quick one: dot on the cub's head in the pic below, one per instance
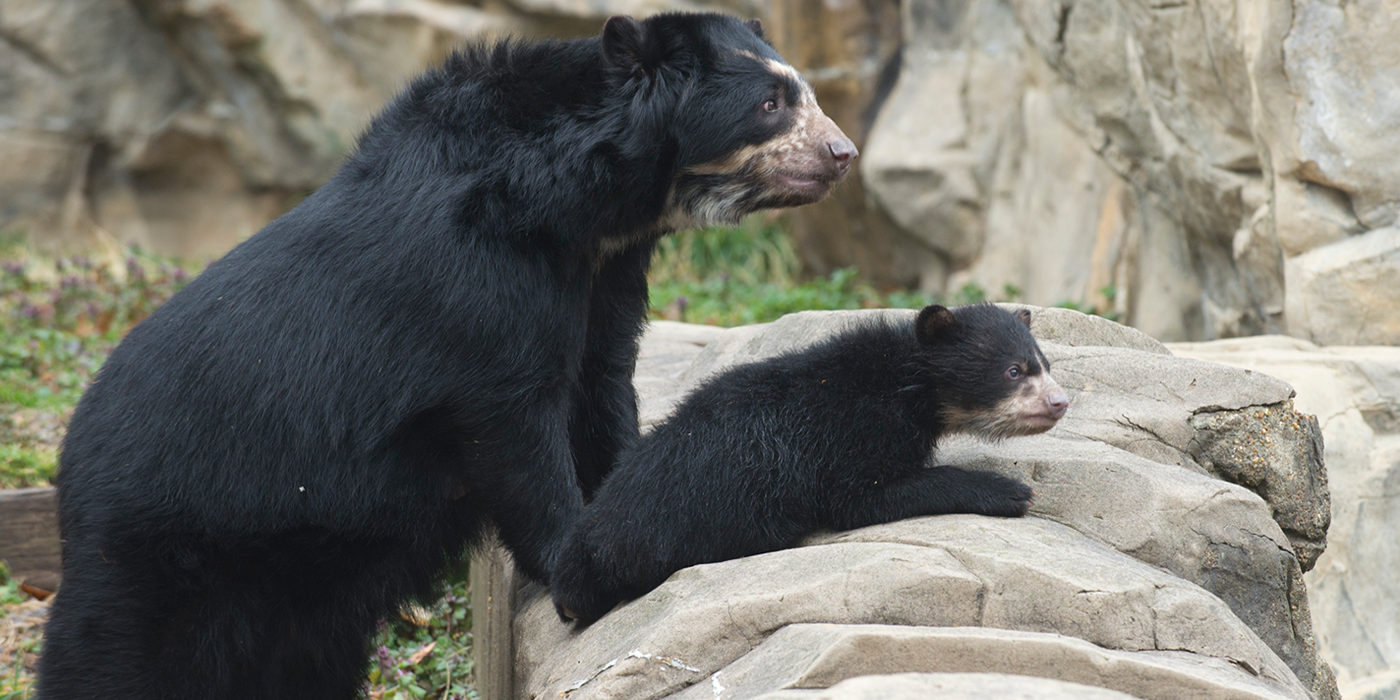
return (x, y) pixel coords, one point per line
(989, 375)
(745, 127)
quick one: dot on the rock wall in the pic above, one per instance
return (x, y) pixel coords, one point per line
(1202, 168)
(1153, 564)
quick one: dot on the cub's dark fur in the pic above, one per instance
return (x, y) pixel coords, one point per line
(835, 436)
(298, 443)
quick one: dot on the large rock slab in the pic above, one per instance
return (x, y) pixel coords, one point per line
(1139, 551)
(954, 571)
(822, 654)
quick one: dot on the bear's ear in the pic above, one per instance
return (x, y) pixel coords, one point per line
(626, 45)
(1024, 316)
(933, 321)
(755, 26)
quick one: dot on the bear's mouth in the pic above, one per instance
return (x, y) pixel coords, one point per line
(806, 186)
(1036, 423)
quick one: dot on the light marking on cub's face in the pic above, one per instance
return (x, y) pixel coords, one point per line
(797, 165)
(1036, 403)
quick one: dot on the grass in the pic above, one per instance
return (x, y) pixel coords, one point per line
(751, 274)
(60, 319)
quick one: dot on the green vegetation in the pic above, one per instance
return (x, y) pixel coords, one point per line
(19, 641)
(60, 319)
(428, 653)
(1109, 293)
(749, 274)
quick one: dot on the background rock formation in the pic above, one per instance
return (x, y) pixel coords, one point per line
(1140, 570)
(1184, 150)
(1202, 168)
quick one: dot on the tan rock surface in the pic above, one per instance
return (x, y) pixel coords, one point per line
(1156, 161)
(954, 686)
(956, 571)
(1347, 293)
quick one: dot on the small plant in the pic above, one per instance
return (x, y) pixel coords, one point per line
(427, 653)
(1108, 292)
(10, 593)
(970, 293)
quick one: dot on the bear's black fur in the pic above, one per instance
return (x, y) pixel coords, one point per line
(836, 436)
(441, 337)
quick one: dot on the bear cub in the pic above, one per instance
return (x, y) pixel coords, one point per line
(835, 436)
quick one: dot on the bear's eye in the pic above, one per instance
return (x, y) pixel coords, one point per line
(1013, 372)
(770, 106)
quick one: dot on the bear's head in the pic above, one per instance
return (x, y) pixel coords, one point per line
(985, 373)
(743, 126)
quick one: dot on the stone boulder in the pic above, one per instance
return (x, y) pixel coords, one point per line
(1142, 569)
(1346, 293)
(1355, 394)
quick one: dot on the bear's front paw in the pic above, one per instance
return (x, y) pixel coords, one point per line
(1005, 497)
(582, 611)
(565, 614)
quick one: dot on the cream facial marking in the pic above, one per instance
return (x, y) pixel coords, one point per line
(1035, 407)
(785, 71)
(805, 95)
(797, 165)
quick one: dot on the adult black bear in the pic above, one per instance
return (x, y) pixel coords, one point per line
(441, 337)
(835, 436)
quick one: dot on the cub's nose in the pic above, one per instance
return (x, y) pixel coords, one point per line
(844, 152)
(1057, 402)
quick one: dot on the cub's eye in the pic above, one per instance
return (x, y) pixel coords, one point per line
(1013, 372)
(770, 106)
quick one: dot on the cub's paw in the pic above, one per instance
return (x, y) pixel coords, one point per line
(1003, 497)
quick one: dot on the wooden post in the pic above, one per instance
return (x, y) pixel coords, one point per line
(493, 585)
(29, 541)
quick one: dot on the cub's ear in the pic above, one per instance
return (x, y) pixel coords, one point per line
(755, 26)
(1024, 316)
(626, 45)
(933, 321)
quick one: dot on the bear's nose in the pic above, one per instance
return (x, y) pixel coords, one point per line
(843, 151)
(1057, 402)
